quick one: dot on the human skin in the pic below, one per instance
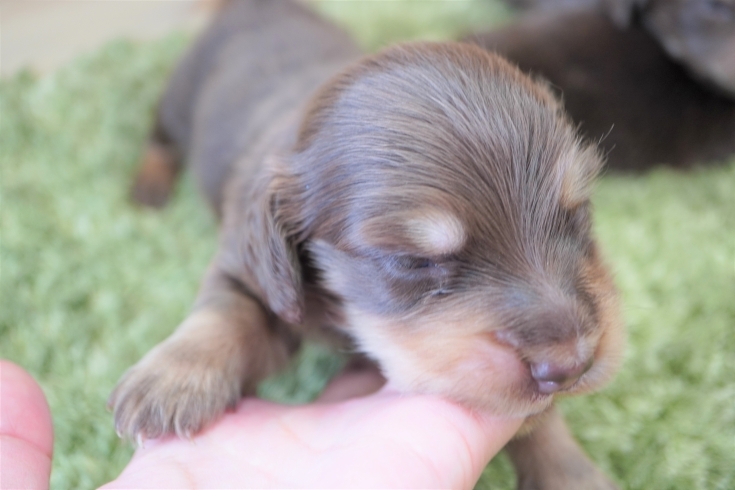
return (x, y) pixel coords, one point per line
(26, 432)
(352, 436)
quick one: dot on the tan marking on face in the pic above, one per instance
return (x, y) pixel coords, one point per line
(452, 357)
(454, 353)
(436, 232)
(578, 169)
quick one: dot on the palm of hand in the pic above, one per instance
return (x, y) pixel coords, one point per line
(383, 440)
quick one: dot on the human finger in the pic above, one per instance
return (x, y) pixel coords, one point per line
(452, 441)
(26, 430)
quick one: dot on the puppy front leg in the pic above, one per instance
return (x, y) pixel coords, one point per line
(549, 458)
(221, 351)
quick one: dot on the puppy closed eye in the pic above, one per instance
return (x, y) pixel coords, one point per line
(422, 277)
(423, 267)
(410, 262)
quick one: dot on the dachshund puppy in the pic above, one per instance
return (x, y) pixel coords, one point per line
(660, 90)
(427, 206)
(552, 5)
(699, 34)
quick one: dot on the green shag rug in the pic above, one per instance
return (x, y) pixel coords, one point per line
(90, 283)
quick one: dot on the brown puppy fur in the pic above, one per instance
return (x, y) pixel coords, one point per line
(622, 87)
(699, 34)
(553, 5)
(428, 207)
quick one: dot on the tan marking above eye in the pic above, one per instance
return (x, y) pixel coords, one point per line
(436, 232)
(426, 232)
(579, 169)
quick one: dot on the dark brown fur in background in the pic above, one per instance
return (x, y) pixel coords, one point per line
(427, 207)
(652, 80)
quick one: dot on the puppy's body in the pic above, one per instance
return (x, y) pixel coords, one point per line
(698, 34)
(246, 75)
(427, 206)
(554, 5)
(622, 88)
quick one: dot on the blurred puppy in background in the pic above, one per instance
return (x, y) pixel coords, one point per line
(427, 207)
(552, 5)
(652, 80)
(699, 34)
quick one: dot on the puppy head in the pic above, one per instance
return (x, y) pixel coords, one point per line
(698, 33)
(441, 200)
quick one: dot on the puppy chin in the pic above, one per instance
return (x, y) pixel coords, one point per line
(433, 357)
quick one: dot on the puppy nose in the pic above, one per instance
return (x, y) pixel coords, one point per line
(554, 377)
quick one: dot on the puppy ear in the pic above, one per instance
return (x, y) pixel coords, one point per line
(259, 243)
(622, 12)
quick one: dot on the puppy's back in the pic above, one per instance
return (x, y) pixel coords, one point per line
(258, 60)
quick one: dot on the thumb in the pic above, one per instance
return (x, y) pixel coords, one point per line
(26, 433)
(456, 442)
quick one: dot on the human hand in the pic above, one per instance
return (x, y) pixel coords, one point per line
(384, 440)
(26, 432)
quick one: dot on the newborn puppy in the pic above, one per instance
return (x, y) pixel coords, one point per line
(551, 5)
(654, 81)
(624, 89)
(699, 34)
(427, 206)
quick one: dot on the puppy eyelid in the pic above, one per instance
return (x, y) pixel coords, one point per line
(418, 262)
(414, 263)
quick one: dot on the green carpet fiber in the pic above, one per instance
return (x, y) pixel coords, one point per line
(90, 282)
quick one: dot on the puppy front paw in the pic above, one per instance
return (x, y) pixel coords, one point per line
(579, 475)
(547, 457)
(174, 389)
